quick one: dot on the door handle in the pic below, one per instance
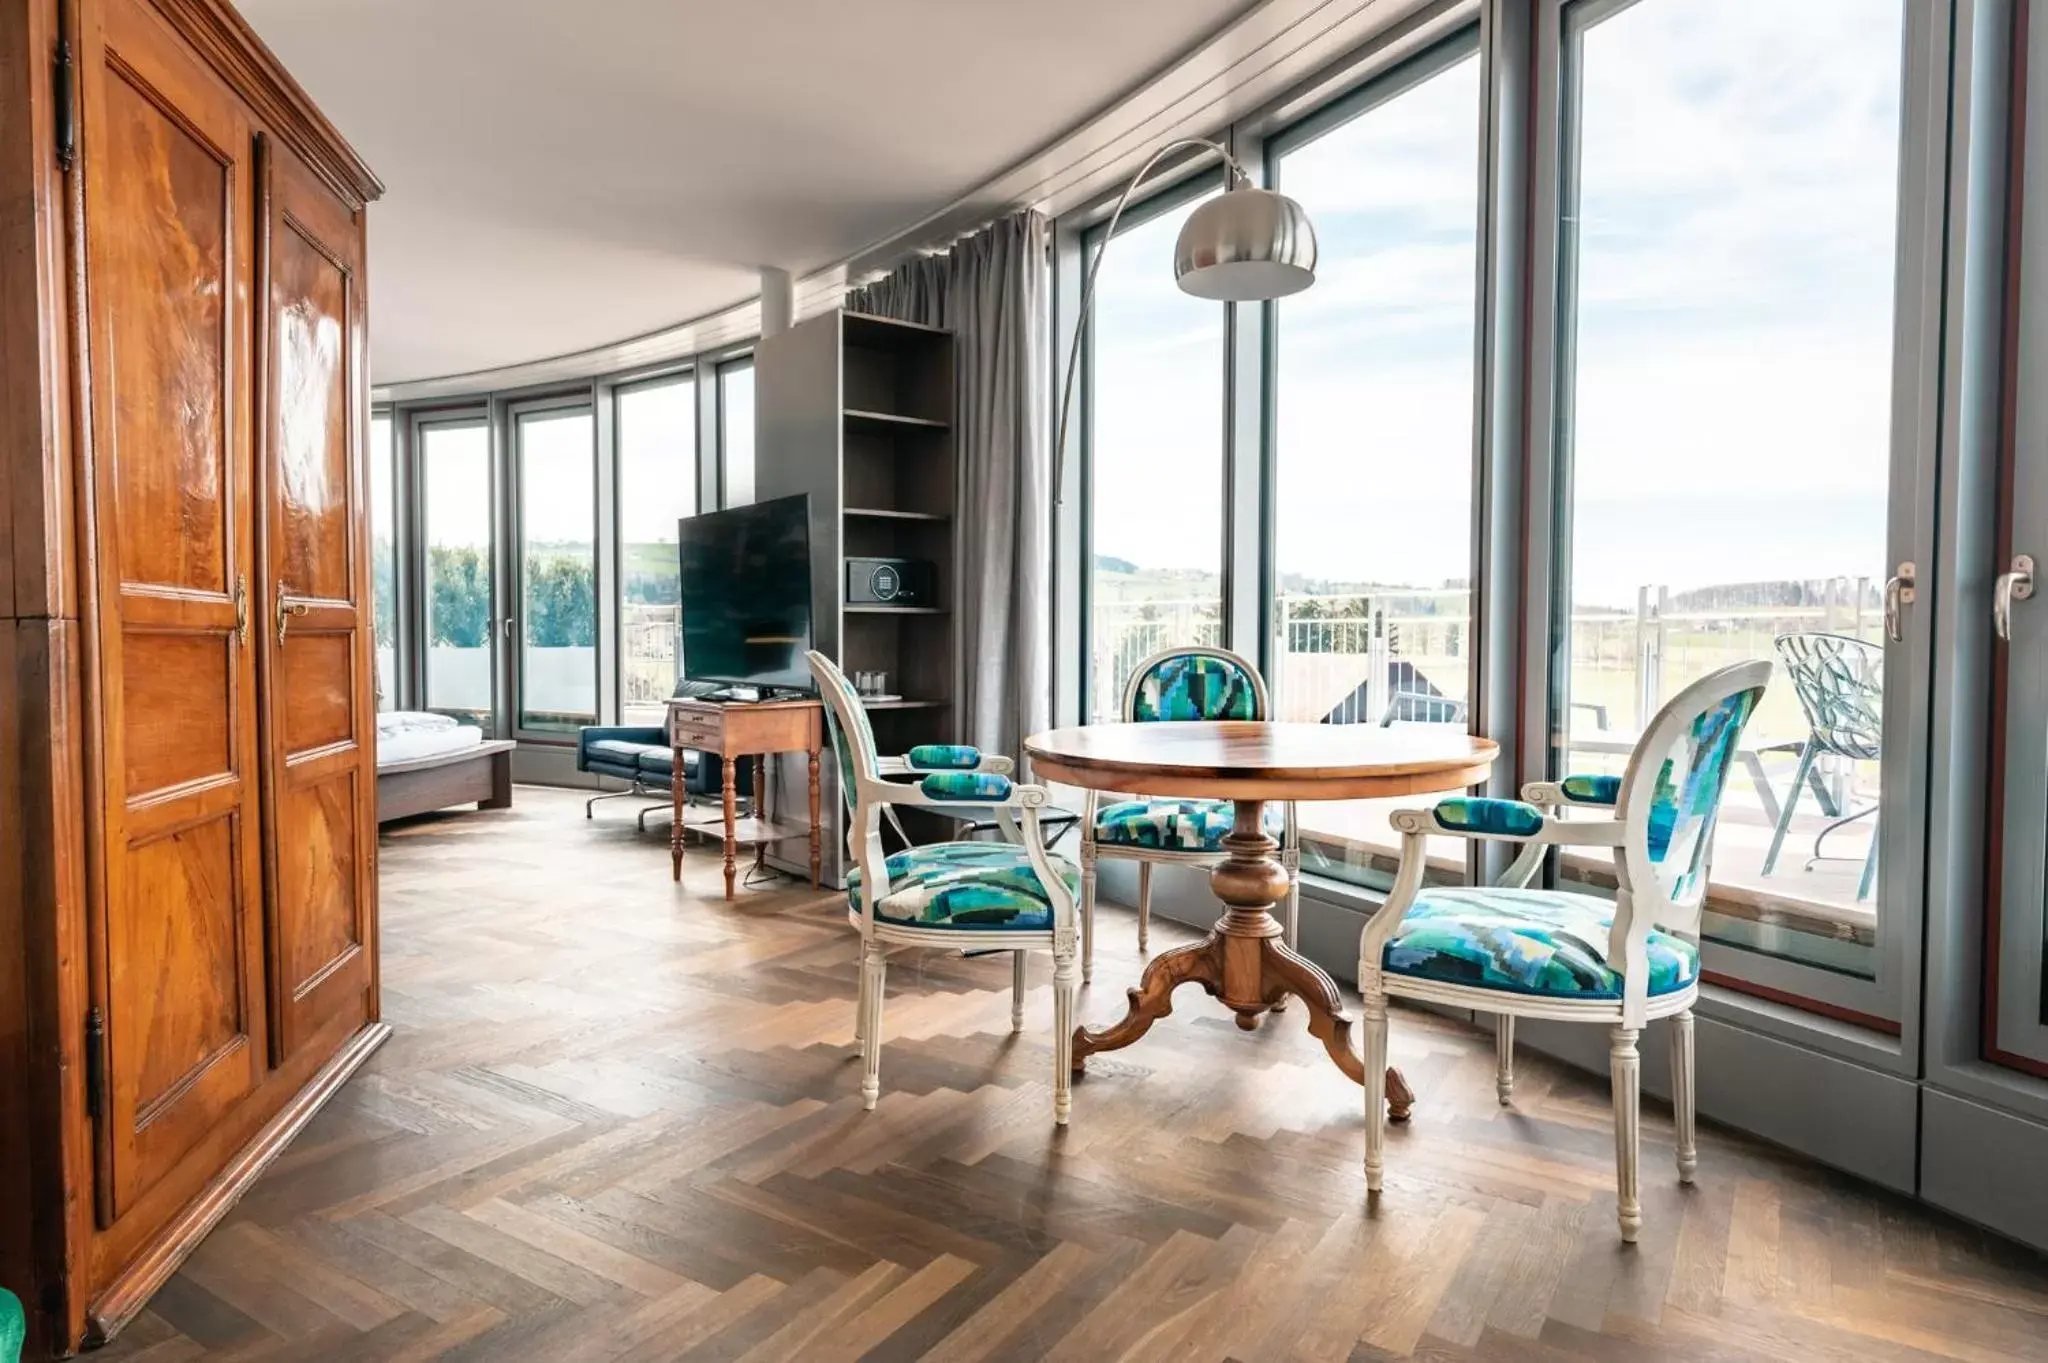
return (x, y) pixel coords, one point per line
(1899, 592)
(507, 627)
(2017, 584)
(242, 610)
(286, 609)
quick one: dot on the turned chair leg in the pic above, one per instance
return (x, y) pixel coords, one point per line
(1682, 1096)
(874, 969)
(1064, 986)
(1372, 1039)
(1625, 1069)
(1087, 913)
(860, 1007)
(1504, 1058)
(1144, 906)
(1017, 991)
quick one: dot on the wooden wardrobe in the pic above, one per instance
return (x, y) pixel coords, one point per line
(188, 926)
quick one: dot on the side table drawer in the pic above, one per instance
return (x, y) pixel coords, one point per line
(688, 729)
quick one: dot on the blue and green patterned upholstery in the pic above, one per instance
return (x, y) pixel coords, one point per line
(966, 785)
(1498, 818)
(1173, 825)
(1543, 942)
(1195, 686)
(965, 885)
(1591, 790)
(840, 745)
(1682, 808)
(944, 757)
(13, 1327)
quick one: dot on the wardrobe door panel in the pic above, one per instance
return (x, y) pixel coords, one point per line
(177, 939)
(320, 777)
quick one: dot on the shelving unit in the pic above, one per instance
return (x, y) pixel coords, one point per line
(857, 411)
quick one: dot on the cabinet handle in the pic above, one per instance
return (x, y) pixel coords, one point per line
(242, 609)
(286, 609)
(1899, 592)
(2014, 585)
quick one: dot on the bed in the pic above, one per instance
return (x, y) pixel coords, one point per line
(427, 762)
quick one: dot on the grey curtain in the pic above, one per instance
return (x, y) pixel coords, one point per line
(992, 291)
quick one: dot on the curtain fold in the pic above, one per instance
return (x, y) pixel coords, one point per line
(992, 291)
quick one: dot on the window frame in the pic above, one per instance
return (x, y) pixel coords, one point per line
(611, 444)
(510, 472)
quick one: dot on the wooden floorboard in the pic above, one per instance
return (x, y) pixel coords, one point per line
(620, 1120)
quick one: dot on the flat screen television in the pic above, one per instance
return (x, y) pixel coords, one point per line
(746, 595)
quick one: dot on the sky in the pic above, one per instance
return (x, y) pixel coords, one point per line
(1731, 401)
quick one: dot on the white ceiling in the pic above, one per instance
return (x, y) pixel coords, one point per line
(560, 176)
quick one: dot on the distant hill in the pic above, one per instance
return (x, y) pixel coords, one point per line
(1105, 563)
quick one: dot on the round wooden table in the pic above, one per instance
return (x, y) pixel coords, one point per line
(1243, 961)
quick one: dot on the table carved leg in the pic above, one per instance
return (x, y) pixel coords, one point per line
(1244, 963)
(816, 847)
(731, 839)
(675, 823)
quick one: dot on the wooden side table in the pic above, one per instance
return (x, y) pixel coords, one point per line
(730, 730)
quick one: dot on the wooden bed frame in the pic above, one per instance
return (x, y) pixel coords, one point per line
(482, 773)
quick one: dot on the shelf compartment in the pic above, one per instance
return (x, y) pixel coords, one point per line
(879, 513)
(860, 419)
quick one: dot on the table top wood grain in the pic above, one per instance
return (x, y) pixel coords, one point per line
(1246, 760)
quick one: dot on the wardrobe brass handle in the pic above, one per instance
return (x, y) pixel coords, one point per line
(242, 609)
(286, 609)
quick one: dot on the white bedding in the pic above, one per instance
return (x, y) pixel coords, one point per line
(409, 735)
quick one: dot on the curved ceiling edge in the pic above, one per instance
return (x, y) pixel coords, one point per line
(1247, 66)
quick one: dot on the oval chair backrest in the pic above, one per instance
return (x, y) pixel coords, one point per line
(853, 737)
(1195, 683)
(1840, 685)
(1671, 793)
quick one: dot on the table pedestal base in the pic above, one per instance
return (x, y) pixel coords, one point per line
(1244, 963)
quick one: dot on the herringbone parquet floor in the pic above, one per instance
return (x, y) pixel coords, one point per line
(621, 1121)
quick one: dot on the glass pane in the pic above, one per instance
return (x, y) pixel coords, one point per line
(736, 430)
(1156, 461)
(384, 560)
(657, 488)
(456, 467)
(558, 570)
(1728, 426)
(1373, 424)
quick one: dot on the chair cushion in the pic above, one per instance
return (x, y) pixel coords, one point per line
(619, 750)
(965, 885)
(1173, 825)
(659, 760)
(1545, 942)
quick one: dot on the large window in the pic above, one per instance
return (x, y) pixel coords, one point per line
(558, 568)
(1155, 458)
(1373, 399)
(736, 429)
(455, 481)
(384, 559)
(657, 442)
(1732, 181)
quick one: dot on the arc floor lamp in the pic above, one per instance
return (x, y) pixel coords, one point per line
(1246, 246)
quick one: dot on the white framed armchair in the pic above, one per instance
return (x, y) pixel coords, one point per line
(1187, 683)
(1012, 895)
(1514, 951)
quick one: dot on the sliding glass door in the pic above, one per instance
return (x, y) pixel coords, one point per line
(1154, 443)
(656, 430)
(555, 479)
(460, 551)
(1744, 456)
(1372, 396)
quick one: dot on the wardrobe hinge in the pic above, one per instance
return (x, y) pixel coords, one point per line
(95, 1062)
(64, 94)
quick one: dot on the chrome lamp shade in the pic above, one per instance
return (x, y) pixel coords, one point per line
(1245, 246)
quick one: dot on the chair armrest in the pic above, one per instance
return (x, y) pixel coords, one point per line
(913, 763)
(1505, 821)
(1604, 791)
(975, 786)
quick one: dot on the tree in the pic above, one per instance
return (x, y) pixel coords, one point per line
(561, 601)
(459, 610)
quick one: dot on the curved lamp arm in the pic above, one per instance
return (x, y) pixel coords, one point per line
(1238, 176)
